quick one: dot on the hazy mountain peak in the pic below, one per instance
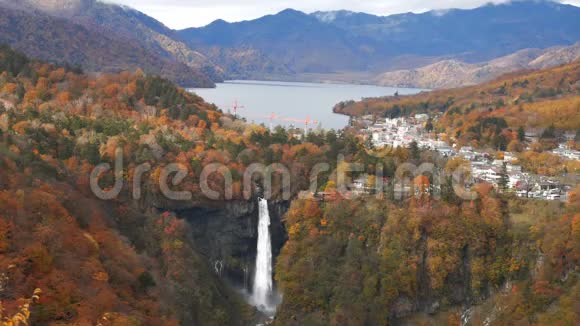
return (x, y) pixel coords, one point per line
(60, 5)
(290, 11)
(218, 22)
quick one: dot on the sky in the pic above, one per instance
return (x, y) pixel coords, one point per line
(179, 14)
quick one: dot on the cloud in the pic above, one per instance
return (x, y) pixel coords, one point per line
(193, 13)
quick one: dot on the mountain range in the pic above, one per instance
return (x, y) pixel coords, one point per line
(454, 73)
(344, 41)
(291, 44)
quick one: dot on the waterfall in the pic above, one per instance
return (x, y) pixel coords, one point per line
(263, 287)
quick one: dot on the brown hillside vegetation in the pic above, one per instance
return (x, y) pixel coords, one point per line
(371, 262)
(95, 261)
(96, 50)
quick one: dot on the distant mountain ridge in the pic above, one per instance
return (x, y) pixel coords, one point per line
(328, 42)
(454, 73)
(101, 37)
(289, 39)
(289, 45)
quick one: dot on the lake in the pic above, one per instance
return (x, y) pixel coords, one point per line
(291, 103)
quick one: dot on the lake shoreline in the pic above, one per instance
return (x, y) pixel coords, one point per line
(298, 104)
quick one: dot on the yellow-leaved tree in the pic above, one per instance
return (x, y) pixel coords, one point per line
(23, 315)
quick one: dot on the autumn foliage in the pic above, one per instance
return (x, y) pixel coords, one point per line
(491, 113)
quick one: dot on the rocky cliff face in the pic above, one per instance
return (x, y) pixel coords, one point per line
(227, 236)
(222, 241)
(225, 232)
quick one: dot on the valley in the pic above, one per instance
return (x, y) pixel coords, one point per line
(250, 173)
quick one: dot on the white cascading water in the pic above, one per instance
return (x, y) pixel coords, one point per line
(262, 290)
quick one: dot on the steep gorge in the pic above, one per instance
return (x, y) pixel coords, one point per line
(227, 237)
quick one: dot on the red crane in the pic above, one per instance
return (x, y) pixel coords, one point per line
(270, 117)
(236, 107)
(307, 122)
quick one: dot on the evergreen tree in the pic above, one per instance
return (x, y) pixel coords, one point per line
(549, 133)
(414, 149)
(90, 152)
(20, 91)
(448, 193)
(504, 179)
(521, 134)
(429, 125)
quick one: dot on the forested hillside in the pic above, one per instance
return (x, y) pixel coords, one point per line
(490, 114)
(422, 261)
(101, 38)
(96, 262)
